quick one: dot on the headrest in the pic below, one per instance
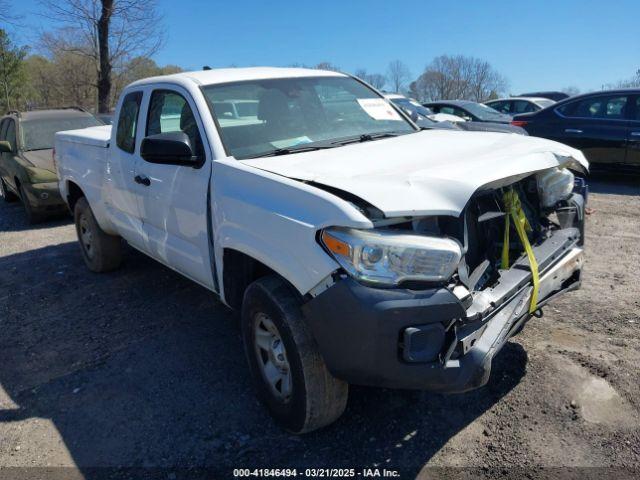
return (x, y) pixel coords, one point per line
(273, 105)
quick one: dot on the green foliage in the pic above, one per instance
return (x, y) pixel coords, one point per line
(12, 73)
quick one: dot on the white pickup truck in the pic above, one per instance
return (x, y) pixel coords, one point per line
(357, 247)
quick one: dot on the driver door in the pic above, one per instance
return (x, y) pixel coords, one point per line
(173, 205)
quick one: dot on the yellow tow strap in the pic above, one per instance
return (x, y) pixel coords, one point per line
(514, 210)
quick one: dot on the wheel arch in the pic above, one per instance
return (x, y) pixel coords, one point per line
(239, 270)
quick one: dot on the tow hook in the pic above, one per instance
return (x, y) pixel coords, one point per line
(538, 313)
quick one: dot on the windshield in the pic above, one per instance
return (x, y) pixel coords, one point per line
(483, 112)
(262, 117)
(38, 134)
(418, 113)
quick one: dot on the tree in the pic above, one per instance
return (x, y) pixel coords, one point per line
(571, 90)
(458, 77)
(138, 68)
(398, 75)
(376, 80)
(633, 82)
(327, 66)
(12, 73)
(109, 33)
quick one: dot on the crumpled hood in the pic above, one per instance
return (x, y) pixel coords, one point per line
(41, 159)
(432, 172)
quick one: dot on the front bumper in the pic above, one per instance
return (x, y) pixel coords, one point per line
(363, 333)
(44, 196)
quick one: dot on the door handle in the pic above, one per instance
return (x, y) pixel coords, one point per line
(572, 130)
(142, 180)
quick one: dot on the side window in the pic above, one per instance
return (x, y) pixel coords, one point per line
(448, 110)
(170, 112)
(3, 129)
(128, 122)
(522, 106)
(11, 134)
(502, 107)
(637, 108)
(606, 107)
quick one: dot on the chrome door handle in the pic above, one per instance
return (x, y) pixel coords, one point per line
(572, 130)
(635, 134)
(142, 180)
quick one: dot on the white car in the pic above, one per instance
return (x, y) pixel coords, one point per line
(516, 105)
(356, 247)
(413, 105)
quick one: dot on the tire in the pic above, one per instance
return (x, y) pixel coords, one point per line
(7, 196)
(101, 252)
(33, 216)
(315, 398)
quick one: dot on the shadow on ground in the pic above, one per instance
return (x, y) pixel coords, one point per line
(143, 368)
(613, 183)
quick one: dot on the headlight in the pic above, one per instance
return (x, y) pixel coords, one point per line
(554, 185)
(389, 258)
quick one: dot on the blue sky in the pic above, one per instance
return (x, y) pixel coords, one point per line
(541, 44)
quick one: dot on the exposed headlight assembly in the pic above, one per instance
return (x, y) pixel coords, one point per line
(388, 258)
(554, 185)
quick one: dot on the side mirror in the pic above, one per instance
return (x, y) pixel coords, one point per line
(5, 147)
(172, 148)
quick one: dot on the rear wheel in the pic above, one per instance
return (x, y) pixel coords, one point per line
(7, 196)
(287, 369)
(101, 252)
(33, 216)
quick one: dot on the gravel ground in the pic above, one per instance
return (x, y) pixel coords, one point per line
(143, 368)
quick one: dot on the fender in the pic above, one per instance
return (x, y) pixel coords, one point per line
(275, 220)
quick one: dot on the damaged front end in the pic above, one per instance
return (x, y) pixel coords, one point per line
(436, 327)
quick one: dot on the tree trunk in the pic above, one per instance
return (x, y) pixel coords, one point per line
(104, 67)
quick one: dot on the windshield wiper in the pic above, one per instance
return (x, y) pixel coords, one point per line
(367, 137)
(289, 150)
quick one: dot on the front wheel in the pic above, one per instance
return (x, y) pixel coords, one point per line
(101, 252)
(287, 369)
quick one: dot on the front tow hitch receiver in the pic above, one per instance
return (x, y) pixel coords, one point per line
(423, 343)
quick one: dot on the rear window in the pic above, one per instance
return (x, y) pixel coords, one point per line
(38, 134)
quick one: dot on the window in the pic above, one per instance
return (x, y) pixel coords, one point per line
(607, 107)
(638, 108)
(3, 129)
(502, 106)
(39, 133)
(170, 112)
(11, 135)
(260, 117)
(128, 122)
(522, 106)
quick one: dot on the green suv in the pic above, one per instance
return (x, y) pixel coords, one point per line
(27, 170)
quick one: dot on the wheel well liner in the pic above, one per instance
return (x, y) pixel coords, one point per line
(73, 195)
(239, 270)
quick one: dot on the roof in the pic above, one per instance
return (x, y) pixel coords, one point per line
(53, 113)
(226, 75)
(530, 99)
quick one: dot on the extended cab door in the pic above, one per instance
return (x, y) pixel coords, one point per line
(122, 192)
(174, 204)
(597, 125)
(633, 144)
